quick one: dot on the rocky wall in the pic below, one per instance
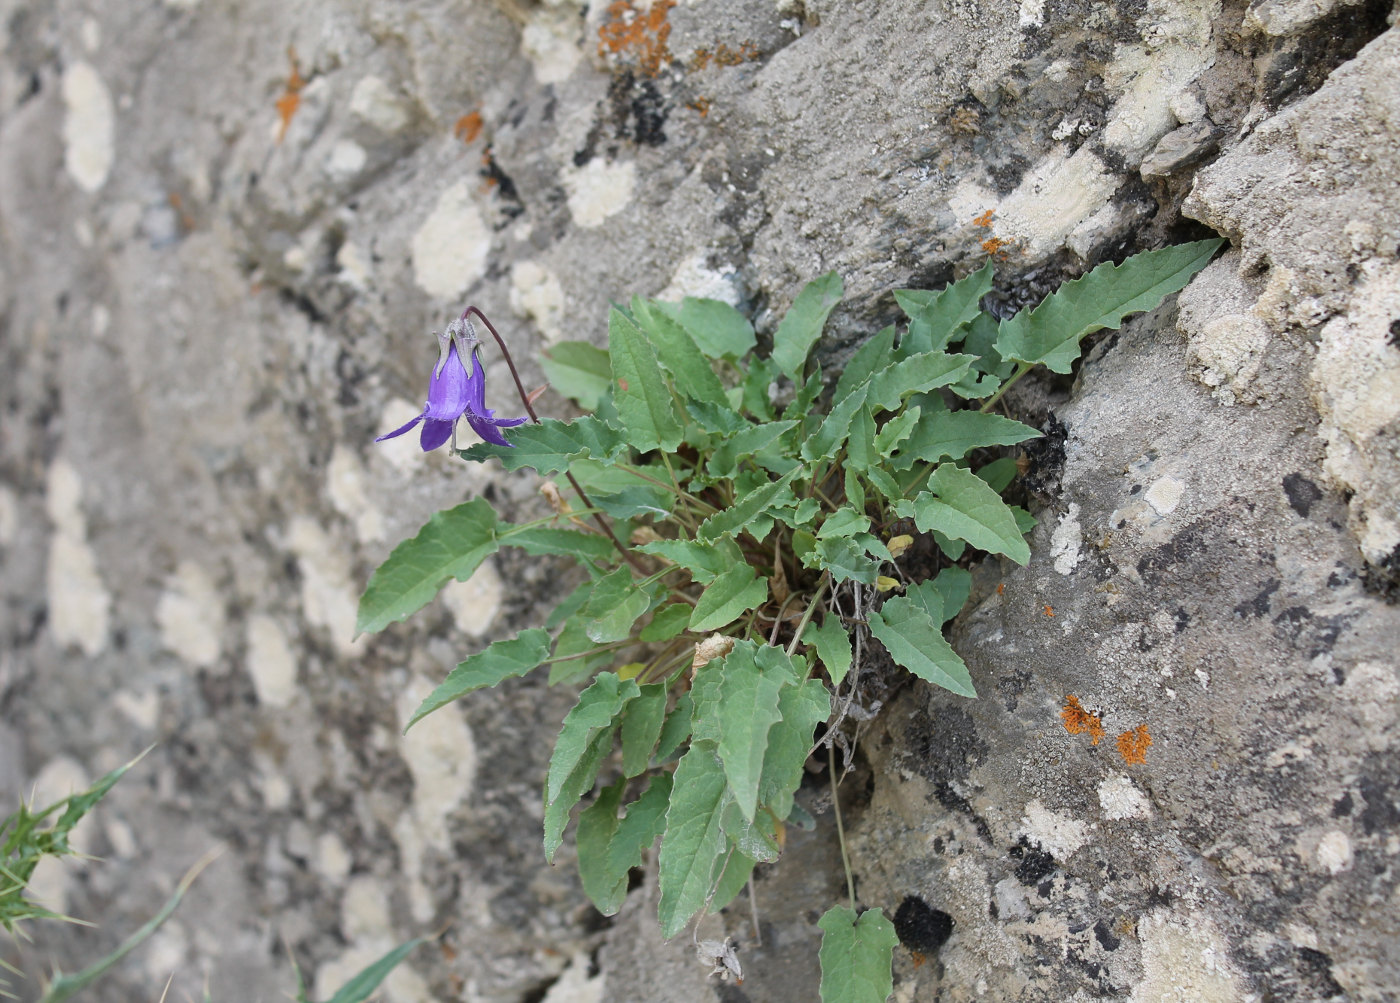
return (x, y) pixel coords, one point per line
(226, 229)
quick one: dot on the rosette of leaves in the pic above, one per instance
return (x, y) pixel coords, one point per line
(749, 543)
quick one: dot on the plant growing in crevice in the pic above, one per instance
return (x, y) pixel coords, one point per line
(739, 556)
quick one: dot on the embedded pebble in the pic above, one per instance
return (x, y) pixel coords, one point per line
(1334, 853)
(1164, 495)
(79, 603)
(441, 756)
(89, 127)
(271, 662)
(451, 248)
(190, 615)
(375, 102)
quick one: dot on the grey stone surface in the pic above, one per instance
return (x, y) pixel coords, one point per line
(208, 311)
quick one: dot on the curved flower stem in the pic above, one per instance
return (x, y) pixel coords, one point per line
(627, 555)
(1021, 370)
(840, 829)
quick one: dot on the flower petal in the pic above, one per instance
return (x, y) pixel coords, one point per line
(402, 428)
(450, 390)
(487, 427)
(435, 433)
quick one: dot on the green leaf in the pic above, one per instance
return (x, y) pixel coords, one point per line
(956, 433)
(845, 559)
(955, 585)
(609, 847)
(823, 443)
(961, 505)
(723, 463)
(641, 727)
(1050, 334)
(583, 744)
(928, 598)
(861, 452)
(856, 956)
(757, 381)
(755, 838)
(677, 351)
(367, 980)
(720, 331)
(735, 592)
(1025, 522)
(999, 473)
(916, 642)
(500, 660)
(574, 641)
(883, 483)
(733, 520)
(643, 399)
(801, 406)
(552, 445)
(635, 500)
(694, 841)
(802, 325)
(748, 707)
(452, 544)
(538, 540)
(666, 623)
(613, 606)
(870, 358)
(916, 374)
(896, 430)
(843, 522)
(719, 419)
(737, 871)
(579, 371)
(935, 316)
(800, 710)
(676, 729)
(833, 644)
(704, 561)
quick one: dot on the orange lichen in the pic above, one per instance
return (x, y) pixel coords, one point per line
(1049, 611)
(290, 100)
(985, 220)
(996, 247)
(641, 35)
(178, 204)
(468, 127)
(1079, 721)
(964, 121)
(1001, 588)
(1132, 745)
(701, 106)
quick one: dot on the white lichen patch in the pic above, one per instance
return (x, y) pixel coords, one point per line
(332, 860)
(1120, 799)
(598, 190)
(970, 200)
(575, 985)
(1373, 689)
(1164, 495)
(345, 486)
(475, 602)
(694, 277)
(550, 41)
(347, 158)
(1184, 960)
(375, 102)
(1060, 835)
(1333, 852)
(451, 248)
(89, 127)
(141, 709)
(271, 663)
(328, 595)
(354, 266)
(536, 295)
(1229, 351)
(190, 615)
(365, 923)
(1065, 541)
(441, 756)
(9, 516)
(1032, 13)
(79, 604)
(1054, 197)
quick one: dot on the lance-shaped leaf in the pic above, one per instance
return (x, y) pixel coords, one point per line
(676, 350)
(500, 660)
(641, 727)
(642, 397)
(553, 445)
(1051, 333)
(861, 451)
(538, 540)
(748, 708)
(934, 317)
(676, 729)
(845, 559)
(802, 325)
(833, 644)
(755, 838)
(956, 433)
(582, 746)
(735, 519)
(896, 430)
(717, 328)
(754, 390)
(954, 585)
(578, 370)
(609, 846)
(916, 374)
(872, 357)
(737, 871)
(823, 443)
(800, 710)
(668, 622)
(916, 642)
(724, 460)
(735, 592)
(856, 956)
(962, 506)
(704, 561)
(694, 841)
(613, 606)
(452, 544)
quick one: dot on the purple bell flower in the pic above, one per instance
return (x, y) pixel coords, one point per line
(454, 392)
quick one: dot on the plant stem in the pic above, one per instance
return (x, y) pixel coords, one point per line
(1021, 370)
(807, 613)
(840, 828)
(627, 555)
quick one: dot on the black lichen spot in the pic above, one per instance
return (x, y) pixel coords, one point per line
(1382, 577)
(1381, 810)
(1035, 865)
(1105, 936)
(1182, 618)
(1394, 338)
(638, 109)
(1185, 545)
(1316, 969)
(954, 801)
(1301, 492)
(920, 927)
(1259, 605)
(1343, 806)
(1047, 458)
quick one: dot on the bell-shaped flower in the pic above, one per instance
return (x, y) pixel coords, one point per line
(454, 391)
